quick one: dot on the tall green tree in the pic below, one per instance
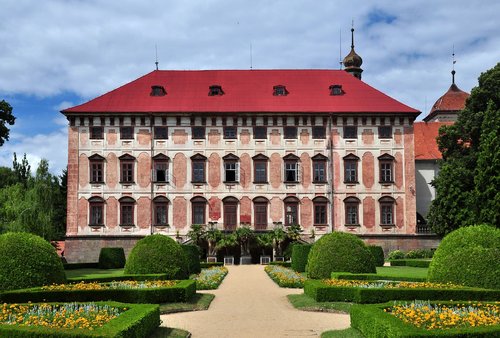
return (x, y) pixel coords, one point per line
(22, 169)
(457, 202)
(6, 118)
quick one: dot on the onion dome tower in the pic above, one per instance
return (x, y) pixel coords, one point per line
(352, 62)
(447, 106)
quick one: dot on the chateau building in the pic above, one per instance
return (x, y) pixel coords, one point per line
(319, 148)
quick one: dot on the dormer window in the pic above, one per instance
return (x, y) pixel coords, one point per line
(215, 90)
(336, 90)
(280, 90)
(158, 91)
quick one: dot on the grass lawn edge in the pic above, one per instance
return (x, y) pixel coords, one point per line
(303, 302)
(199, 302)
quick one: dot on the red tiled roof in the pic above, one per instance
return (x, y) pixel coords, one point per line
(245, 91)
(425, 134)
(452, 101)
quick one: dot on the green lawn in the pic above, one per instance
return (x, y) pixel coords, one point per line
(200, 301)
(347, 333)
(91, 273)
(306, 303)
(402, 271)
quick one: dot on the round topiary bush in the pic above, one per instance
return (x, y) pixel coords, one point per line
(27, 260)
(339, 252)
(192, 253)
(299, 257)
(378, 254)
(111, 258)
(469, 256)
(157, 254)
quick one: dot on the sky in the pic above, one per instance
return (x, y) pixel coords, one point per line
(55, 54)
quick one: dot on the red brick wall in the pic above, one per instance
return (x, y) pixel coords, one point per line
(144, 170)
(111, 212)
(143, 212)
(368, 169)
(180, 213)
(144, 137)
(409, 177)
(83, 170)
(306, 210)
(305, 161)
(180, 170)
(72, 209)
(214, 170)
(275, 169)
(367, 136)
(214, 211)
(276, 209)
(179, 136)
(398, 179)
(83, 213)
(245, 171)
(111, 170)
(245, 209)
(369, 213)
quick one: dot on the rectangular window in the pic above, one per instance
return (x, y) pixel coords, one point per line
(351, 214)
(350, 132)
(319, 171)
(96, 133)
(385, 132)
(198, 133)
(230, 132)
(290, 132)
(127, 214)
(96, 214)
(127, 133)
(161, 133)
(291, 171)
(320, 214)
(260, 133)
(199, 173)
(230, 210)
(231, 171)
(350, 171)
(291, 213)
(96, 172)
(318, 132)
(127, 171)
(160, 171)
(260, 171)
(160, 210)
(198, 213)
(386, 172)
(260, 216)
(386, 217)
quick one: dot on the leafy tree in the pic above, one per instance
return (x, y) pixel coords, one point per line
(212, 235)
(265, 241)
(459, 194)
(197, 234)
(244, 234)
(6, 117)
(22, 170)
(7, 177)
(227, 241)
(279, 236)
(293, 232)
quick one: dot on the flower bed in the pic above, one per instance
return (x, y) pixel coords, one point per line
(427, 319)
(108, 278)
(123, 291)
(374, 276)
(211, 278)
(284, 277)
(378, 292)
(108, 319)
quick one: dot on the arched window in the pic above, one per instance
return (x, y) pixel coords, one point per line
(160, 211)
(260, 168)
(291, 210)
(96, 211)
(319, 168)
(127, 206)
(198, 162)
(260, 213)
(387, 210)
(231, 168)
(230, 205)
(351, 207)
(198, 208)
(160, 168)
(320, 205)
(291, 174)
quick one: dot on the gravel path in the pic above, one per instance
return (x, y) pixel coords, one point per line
(250, 304)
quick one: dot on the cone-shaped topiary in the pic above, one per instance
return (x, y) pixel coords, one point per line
(157, 254)
(339, 252)
(27, 260)
(378, 254)
(468, 256)
(111, 258)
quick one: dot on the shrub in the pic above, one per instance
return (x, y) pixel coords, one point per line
(157, 254)
(396, 254)
(27, 260)
(339, 251)
(205, 265)
(419, 253)
(283, 264)
(111, 258)
(416, 263)
(192, 253)
(378, 254)
(468, 256)
(299, 257)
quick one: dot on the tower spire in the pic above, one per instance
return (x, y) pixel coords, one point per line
(352, 35)
(353, 62)
(453, 66)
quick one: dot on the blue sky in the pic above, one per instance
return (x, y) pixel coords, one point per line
(59, 53)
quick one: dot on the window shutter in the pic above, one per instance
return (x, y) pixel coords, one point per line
(237, 172)
(153, 175)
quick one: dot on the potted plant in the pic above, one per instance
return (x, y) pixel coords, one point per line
(212, 235)
(244, 234)
(265, 241)
(225, 242)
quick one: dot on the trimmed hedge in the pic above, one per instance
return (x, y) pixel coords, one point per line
(111, 258)
(283, 264)
(378, 254)
(206, 265)
(372, 321)
(76, 266)
(339, 251)
(140, 320)
(374, 277)
(416, 263)
(468, 256)
(419, 254)
(157, 254)
(396, 254)
(192, 253)
(27, 260)
(182, 292)
(107, 279)
(324, 293)
(299, 257)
